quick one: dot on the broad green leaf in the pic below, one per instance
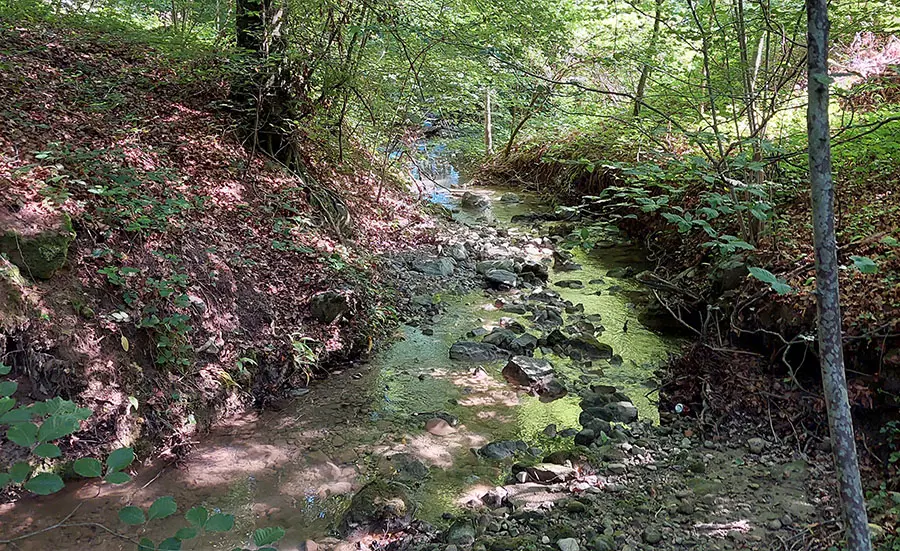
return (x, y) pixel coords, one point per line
(220, 523)
(6, 404)
(88, 467)
(47, 451)
(146, 544)
(4, 480)
(186, 533)
(57, 426)
(162, 508)
(17, 415)
(45, 484)
(131, 515)
(766, 276)
(23, 434)
(20, 471)
(8, 388)
(5, 369)
(117, 477)
(265, 536)
(119, 459)
(864, 264)
(891, 241)
(197, 516)
(170, 544)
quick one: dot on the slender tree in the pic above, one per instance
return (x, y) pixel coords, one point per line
(831, 353)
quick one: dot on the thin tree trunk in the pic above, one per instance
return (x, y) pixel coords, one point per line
(645, 69)
(831, 354)
(488, 130)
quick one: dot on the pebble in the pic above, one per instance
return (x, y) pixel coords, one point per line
(651, 536)
(756, 445)
(775, 524)
(568, 544)
(545, 540)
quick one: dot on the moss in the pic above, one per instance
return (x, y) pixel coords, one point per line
(520, 543)
(40, 255)
(12, 298)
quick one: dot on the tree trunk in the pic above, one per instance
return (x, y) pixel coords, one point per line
(829, 317)
(645, 70)
(488, 131)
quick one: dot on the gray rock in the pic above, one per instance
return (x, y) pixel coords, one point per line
(620, 273)
(617, 468)
(485, 266)
(476, 352)
(500, 337)
(585, 437)
(407, 468)
(461, 533)
(380, 506)
(603, 543)
(502, 449)
(567, 544)
(651, 535)
(756, 445)
(501, 278)
(327, 306)
(570, 284)
(525, 371)
(441, 267)
(457, 251)
(510, 197)
(586, 347)
(524, 345)
(514, 308)
(473, 201)
(617, 412)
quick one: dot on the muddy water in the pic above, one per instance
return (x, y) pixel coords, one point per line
(297, 467)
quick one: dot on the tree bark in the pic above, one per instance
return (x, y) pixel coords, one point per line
(488, 130)
(831, 354)
(646, 68)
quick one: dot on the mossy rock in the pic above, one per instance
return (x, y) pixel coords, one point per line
(13, 308)
(39, 246)
(379, 506)
(519, 543)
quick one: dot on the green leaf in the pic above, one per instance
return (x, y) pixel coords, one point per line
(864, 264)
(768, 277)
(197, 516)
(822, 78)
(4, 480)
(45, 484)
(6, 404)
(8, 388)
(186, 533)
(47, 451)
(57, 426)
(146, 544)
(131, 515)
(119, 459)
(265, 536)
(23, 434)
(18, 415)
(5, 369)
(220, 523)
(162, 508)
(20, 471)
(88, 467)
(170, 544)
(117, 477)
(890, 241)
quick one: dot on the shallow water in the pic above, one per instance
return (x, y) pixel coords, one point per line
(298, 466)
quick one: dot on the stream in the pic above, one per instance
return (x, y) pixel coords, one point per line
(298, 467)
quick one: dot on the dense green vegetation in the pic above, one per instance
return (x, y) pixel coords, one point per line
(680, 122)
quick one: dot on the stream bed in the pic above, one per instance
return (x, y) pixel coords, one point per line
(298, 467)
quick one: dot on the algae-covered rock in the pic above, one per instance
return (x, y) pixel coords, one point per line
(36, 240)
(380, 506)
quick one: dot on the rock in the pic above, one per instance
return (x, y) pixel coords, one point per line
(545, 540)
(475, 202)
(476, 352)
(501, 278)
(36, 240)
(567, 544)
(651, 535)
(586, 347)
(514, 308)
(510, 197)
(535, 373)
(585, 437)
(502, 449)
(500, 337)
(550, 473)
(461, 533)
(308, 545)
(406, 468)
(536, 270)
(13, 305)
(756, 445)
(457, 251)
(441, 267)
(617, 468)
(523, 345)
(327, 306)
(486, 266)
(616, 412)
(686, 507)
(620, 273)
(380, 506)
(603, 543)
(570, 284)
(550, 431)
(439, 427)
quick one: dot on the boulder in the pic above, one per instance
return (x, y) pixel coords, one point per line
(510, 197)
(476, 352)
(502, 449)
(406, 468)
(486, 266)
(441, 267)
(586, 347)
(619, 412)
(537, 270)
(36, 240)
(500, 337)
(473, 201)
(327, 306)
(461, 533)
(380, 506)
(523, 345)
(501, 278)
(527, 371)
(549, 473)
